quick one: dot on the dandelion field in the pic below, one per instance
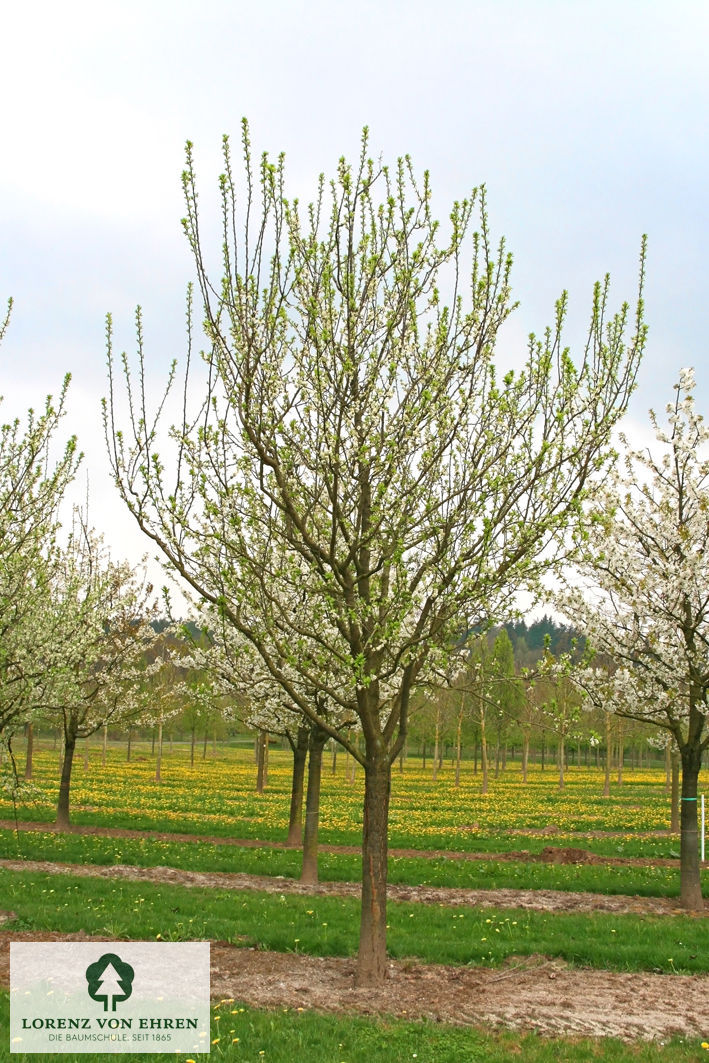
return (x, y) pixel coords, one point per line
(217, 797)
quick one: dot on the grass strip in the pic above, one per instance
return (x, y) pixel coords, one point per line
(246, 1035)
(258, 827)
(328, 926)
(341, 867)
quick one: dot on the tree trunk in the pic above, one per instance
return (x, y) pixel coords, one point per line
(562, 754)
(105, 745)
(690, 881)
(261, 768)
(158, 761)
(333, 767)
(372, 957)
(607, 779)
(63, 821)
(300, 755)
(130, 736)
(458, 747)
(158, 757)
(316, 744)
(436, 745)
(668, 768)
(674, 797)
(193, 738)
(620, 752)
(423, 756)
(483, 751)
(525, 757)
(29, 751)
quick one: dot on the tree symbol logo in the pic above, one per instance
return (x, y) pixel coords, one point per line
(110, 980)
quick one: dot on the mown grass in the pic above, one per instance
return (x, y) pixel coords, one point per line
(246, 1035)
(341, 867)
(328, 926)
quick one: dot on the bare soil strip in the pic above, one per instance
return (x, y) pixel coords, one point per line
(541, 900)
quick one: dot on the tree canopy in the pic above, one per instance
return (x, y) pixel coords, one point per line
(353, 448)
(643, 596)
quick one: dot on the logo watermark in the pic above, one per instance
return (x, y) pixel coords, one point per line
(128, 996)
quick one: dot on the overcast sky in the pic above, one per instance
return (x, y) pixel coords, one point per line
(586, 119)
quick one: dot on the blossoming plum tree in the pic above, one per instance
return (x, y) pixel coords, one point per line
(645, 600)
(98, 613)
(353, 441)
(32, 484)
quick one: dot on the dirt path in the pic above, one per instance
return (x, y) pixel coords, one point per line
(542, 900)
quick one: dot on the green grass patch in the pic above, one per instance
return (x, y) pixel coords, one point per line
(328, 926)
(341, 867)
(245, 1035)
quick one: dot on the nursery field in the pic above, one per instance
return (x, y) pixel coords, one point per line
(217, 796)
(524, 923)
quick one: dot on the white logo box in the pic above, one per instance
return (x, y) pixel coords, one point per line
(109, 996)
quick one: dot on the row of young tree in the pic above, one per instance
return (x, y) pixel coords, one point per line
(351, 488)
(76, 642)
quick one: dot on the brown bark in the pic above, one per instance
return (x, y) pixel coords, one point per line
(316, 744)
(261, 766)
(30, 748)
(372, 957)
(607, 779)
(458, 747)
(158, 761)
(483, 751)
(621, 751)
(690, 882)
(63, 821)
(300, 755)
(674, 796)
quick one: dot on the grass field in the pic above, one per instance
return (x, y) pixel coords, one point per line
(216, 799)
(245, 1035)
